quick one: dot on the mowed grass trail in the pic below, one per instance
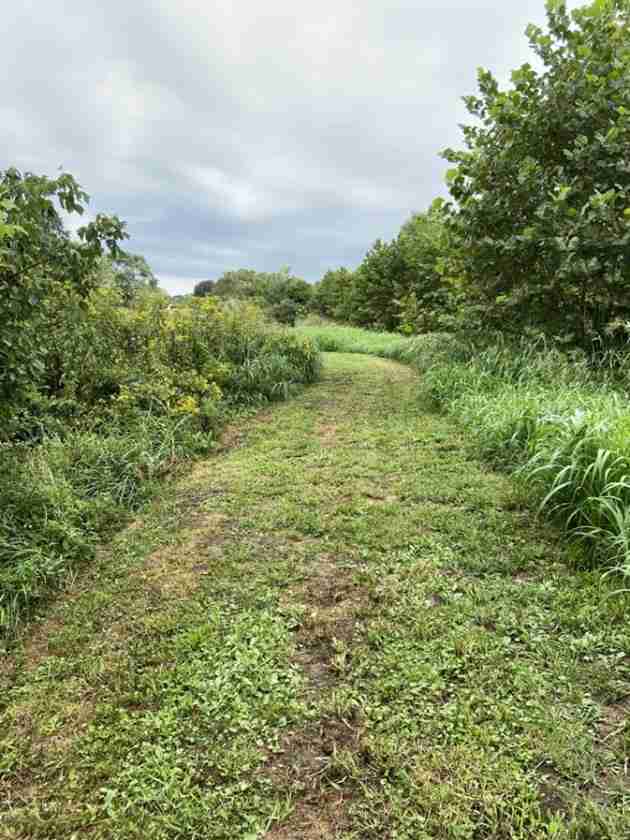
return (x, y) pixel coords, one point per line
(340, 626)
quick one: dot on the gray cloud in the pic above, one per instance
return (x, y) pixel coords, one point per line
(233, 134)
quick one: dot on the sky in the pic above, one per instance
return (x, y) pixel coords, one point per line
(240, 134)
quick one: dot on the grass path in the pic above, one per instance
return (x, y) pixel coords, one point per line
(341, 626)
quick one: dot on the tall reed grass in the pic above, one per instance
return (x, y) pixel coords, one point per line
(561, 423)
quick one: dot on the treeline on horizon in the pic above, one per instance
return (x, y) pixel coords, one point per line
(535, 238)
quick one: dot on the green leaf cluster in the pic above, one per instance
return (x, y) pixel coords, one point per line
(39, 259)
(405, 284)
(541, 193)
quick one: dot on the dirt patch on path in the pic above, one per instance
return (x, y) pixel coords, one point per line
(310, 760)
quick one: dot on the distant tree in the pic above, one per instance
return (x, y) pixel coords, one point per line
(241, 283)
(204, 288)
(131, 274)
(286, 312)
(427, 287)
(268, 289)
(331, 296)
(377, 287)
(282, 285)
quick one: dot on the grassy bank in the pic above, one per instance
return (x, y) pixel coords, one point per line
(560, 422)
(153, 390)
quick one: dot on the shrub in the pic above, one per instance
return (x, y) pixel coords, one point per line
(132, 393)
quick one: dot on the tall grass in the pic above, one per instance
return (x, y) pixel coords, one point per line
(337, 338)
(560, 422)
(64, 495)
(333, 338)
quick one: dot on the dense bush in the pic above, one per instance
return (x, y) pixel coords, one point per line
(400, 285)
(137, 391)
(106, 385)
(38, 259)
(543, 192)
(331, 296)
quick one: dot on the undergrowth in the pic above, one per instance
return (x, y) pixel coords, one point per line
(142, 391)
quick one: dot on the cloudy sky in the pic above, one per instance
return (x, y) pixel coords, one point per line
(236, 133)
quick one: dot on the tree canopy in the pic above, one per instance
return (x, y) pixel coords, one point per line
(37, 257)
(541, 194)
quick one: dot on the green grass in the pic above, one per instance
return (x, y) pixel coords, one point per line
(335, 338)
(561, 423)
(340, 627)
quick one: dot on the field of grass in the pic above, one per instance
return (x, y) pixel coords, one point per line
(560, 423)
(340, 626)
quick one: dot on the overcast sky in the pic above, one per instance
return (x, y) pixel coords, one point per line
(237, 133)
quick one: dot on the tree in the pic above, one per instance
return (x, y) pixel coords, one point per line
(38, 256)
(237, 284)
(542, 193)
(282, 285)
(426, 286)
(331, 295)
(378, 286)
(131, 274)
(204, 287)
(267, 289)
(285, 312)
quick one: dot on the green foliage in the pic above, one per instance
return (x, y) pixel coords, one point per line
(38, 259)
(542, 192)
(537, 237)
(62, 496)
(133, 392)
(332, 295)
(284, 296)
(131, 274)
(286, 312)
(203, 288)
(105, 385)
(427, 299)
(376, 287)
(404, 285)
